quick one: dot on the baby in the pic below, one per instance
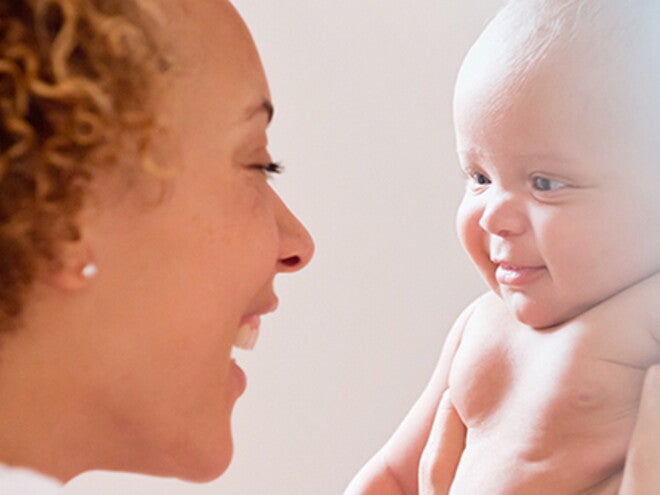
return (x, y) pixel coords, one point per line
(541, 382)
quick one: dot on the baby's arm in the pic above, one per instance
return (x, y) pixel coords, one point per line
(641, 475)
(393, 470)
(442, 453)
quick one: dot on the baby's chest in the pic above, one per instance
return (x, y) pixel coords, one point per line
(543, 384)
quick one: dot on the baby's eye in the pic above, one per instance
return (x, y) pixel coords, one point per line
(479, 179)
(544, 184)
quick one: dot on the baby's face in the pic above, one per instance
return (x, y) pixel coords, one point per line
(560, 209)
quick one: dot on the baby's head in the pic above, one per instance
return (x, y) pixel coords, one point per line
(557, 112)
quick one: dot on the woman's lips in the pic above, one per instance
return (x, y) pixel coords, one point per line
(248, 327)
(246, 338)
(516, 276)
(239, 379)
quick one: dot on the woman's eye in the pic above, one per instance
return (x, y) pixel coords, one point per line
(272, 168)
(544, 184)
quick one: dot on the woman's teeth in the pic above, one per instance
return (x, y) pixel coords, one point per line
(247, 337)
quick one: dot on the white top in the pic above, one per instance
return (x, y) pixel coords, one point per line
(21, 481)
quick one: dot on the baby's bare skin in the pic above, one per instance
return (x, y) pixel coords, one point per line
(511, 410)
(552, 411)
(543, 384)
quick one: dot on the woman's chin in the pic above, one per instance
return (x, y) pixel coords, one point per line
(199, 455)
(208, 467)
(210, 473)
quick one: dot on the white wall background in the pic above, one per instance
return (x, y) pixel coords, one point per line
(363, 93)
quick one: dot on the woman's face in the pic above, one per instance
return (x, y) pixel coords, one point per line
(177, 279)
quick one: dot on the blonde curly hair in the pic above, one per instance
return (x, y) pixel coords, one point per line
(78, 85)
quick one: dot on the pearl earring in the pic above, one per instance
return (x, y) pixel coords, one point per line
(89, 271)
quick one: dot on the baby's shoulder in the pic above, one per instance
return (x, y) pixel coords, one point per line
(487, 325)
(488, 312)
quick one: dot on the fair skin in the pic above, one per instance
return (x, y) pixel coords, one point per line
(132, 370)
(547, 384)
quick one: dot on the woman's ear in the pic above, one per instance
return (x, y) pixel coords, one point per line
(76, 268)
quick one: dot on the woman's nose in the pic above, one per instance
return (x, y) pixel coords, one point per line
(502, 215)
(296, 244)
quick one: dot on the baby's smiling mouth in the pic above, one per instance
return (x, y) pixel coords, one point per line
(516, 275)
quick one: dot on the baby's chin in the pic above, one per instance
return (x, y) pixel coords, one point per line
(535, 314)
(528, 310)
(539, 321)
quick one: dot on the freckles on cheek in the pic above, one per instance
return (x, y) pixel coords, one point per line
(258, 197)
(254, 204)
(242, 198)
(242, 221)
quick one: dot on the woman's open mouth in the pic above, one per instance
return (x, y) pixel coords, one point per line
(248, 333)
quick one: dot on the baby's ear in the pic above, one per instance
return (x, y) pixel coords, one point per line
(75, 268)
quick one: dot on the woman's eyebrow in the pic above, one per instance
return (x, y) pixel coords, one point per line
(265, 106)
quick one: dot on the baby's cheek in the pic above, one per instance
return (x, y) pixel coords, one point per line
(465, 217)
(473, 238)
(469, 232)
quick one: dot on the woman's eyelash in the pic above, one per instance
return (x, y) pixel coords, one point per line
(272, 168)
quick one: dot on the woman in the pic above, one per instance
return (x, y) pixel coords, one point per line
(139, 236)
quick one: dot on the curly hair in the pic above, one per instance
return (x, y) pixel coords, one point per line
(77, 93)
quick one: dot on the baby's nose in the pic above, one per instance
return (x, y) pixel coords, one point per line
(502, 215)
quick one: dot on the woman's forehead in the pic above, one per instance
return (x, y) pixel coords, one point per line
(211, 41)
(201, 29)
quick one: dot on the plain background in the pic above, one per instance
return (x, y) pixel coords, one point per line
(363, 124)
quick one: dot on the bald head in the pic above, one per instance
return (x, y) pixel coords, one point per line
(602, 56)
